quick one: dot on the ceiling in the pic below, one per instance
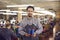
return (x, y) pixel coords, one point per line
(24, 1)
(47, 4)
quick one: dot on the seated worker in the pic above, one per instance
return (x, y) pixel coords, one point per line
(30, 27)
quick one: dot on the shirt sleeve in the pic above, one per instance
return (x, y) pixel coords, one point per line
(40, 27)
(20, 30)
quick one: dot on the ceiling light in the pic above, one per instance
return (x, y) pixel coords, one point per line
(25, 5)
(4, 10)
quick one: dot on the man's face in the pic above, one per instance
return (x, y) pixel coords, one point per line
(30, 12)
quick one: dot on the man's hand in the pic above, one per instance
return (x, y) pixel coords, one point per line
(27, 34)
(34, 35)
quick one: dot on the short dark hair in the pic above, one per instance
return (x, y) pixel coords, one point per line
(8, 21)
(30, 7)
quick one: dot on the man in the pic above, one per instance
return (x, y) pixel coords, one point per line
(28, 23)
(6, 34)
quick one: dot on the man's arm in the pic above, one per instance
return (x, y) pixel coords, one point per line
(20, 30)
(40, 27)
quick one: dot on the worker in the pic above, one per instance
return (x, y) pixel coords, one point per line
(30, 27)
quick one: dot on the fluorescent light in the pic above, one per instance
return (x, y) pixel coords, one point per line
(22, 12)
(47, 12)
(42, 14)
(16, 11)
(25, 5)
(9, 13)
(23, 8)
(5, 10)
(12, 11)
(39, 9)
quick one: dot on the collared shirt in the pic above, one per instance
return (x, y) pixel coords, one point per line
(30, 21)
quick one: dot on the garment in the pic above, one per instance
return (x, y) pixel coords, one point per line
(57, 36)
(7, 34)
(30, 29)
(30, 21)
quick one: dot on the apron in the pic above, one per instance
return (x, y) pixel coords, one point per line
(30, 29)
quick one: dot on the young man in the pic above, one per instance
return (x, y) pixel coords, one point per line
(28, 24)
(7, 34)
